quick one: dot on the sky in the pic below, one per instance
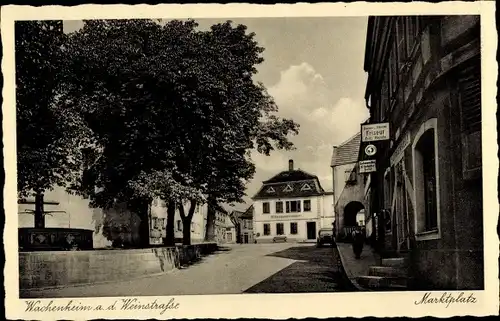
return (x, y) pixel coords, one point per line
(313, 67)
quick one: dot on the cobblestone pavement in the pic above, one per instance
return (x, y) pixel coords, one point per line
(248, 268)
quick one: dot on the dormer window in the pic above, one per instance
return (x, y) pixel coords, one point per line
(306, 187)
(271, 190)
(288, 188)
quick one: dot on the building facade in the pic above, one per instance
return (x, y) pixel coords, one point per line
(114, 226)
(348, 188)
(424, 79)
(247, 231)
(291, 204)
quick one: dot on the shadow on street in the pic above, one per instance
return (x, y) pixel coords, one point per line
(316, 271)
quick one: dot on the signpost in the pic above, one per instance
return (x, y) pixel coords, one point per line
(374, 132)
(367, 166)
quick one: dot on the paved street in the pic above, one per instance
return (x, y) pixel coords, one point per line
(249, 268)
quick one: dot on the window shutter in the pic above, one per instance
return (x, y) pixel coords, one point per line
(469, 87)
(470, 98)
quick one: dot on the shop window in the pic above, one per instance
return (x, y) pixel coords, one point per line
(267, 229)
(426, 181)
(307, 205)
(279, 207)
(266, 208)
(293, 228)
(280, 229)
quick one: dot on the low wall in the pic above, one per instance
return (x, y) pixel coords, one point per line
(52, 269)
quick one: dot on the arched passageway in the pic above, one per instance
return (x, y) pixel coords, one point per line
(350, 212)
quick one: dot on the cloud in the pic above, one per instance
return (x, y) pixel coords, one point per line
(325, 119)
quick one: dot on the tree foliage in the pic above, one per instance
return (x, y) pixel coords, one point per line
(174, 110)
(49, 138)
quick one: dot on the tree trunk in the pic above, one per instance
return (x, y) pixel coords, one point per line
(144, 228)
(170, 237)
(210, 227)
(39, 217)
(186, 231)
(186, 221)
(141, 208)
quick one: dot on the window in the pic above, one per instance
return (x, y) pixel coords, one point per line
(387, 188)
(426, 181)
(350, 176)
(279, 207)
(250, 224)
(393, 73)
(229, 237)
(305, 187)
(270, 190)
(179, 225)
(288, 188)
(244, 223)
(384, 95)
(293, 228)
(265, 208)
(293, 206)
(307, 206)
(267, 229)
(280, 230)
(401, 42)
(413, 26)
(192, 226)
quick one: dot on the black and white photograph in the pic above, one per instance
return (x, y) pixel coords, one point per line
(164, 156)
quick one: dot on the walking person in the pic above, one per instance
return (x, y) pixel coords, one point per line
(358, 241)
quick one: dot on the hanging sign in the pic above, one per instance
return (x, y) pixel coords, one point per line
(370, 150)
(367, 166)
(374, 132)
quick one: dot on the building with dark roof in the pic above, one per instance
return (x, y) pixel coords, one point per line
(348, 187)
(291, 204)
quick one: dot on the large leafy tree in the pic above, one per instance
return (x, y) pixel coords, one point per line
(49, 138)
(175, 112)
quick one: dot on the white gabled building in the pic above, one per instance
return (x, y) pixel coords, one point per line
(292, 204)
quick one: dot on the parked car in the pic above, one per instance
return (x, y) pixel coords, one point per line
(279, 239)
(325, 236)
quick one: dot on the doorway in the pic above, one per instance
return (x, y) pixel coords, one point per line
(401, 209)
(311, 230)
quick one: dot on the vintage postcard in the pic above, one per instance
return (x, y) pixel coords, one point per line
(228, 161)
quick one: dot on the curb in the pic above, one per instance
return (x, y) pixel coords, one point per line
(350, 276)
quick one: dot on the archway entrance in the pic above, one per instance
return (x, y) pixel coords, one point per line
(351, 211)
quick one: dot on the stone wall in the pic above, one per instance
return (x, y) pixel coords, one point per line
(52, 269)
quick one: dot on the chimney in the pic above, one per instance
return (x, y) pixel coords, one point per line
(290, 165)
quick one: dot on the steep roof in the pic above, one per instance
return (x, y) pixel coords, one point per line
(304, 188)
(248, 214)
(347, 152)
(290, 176)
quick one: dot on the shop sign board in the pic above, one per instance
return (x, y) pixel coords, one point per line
(400, 149)
(367, 166)
(375, 132)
